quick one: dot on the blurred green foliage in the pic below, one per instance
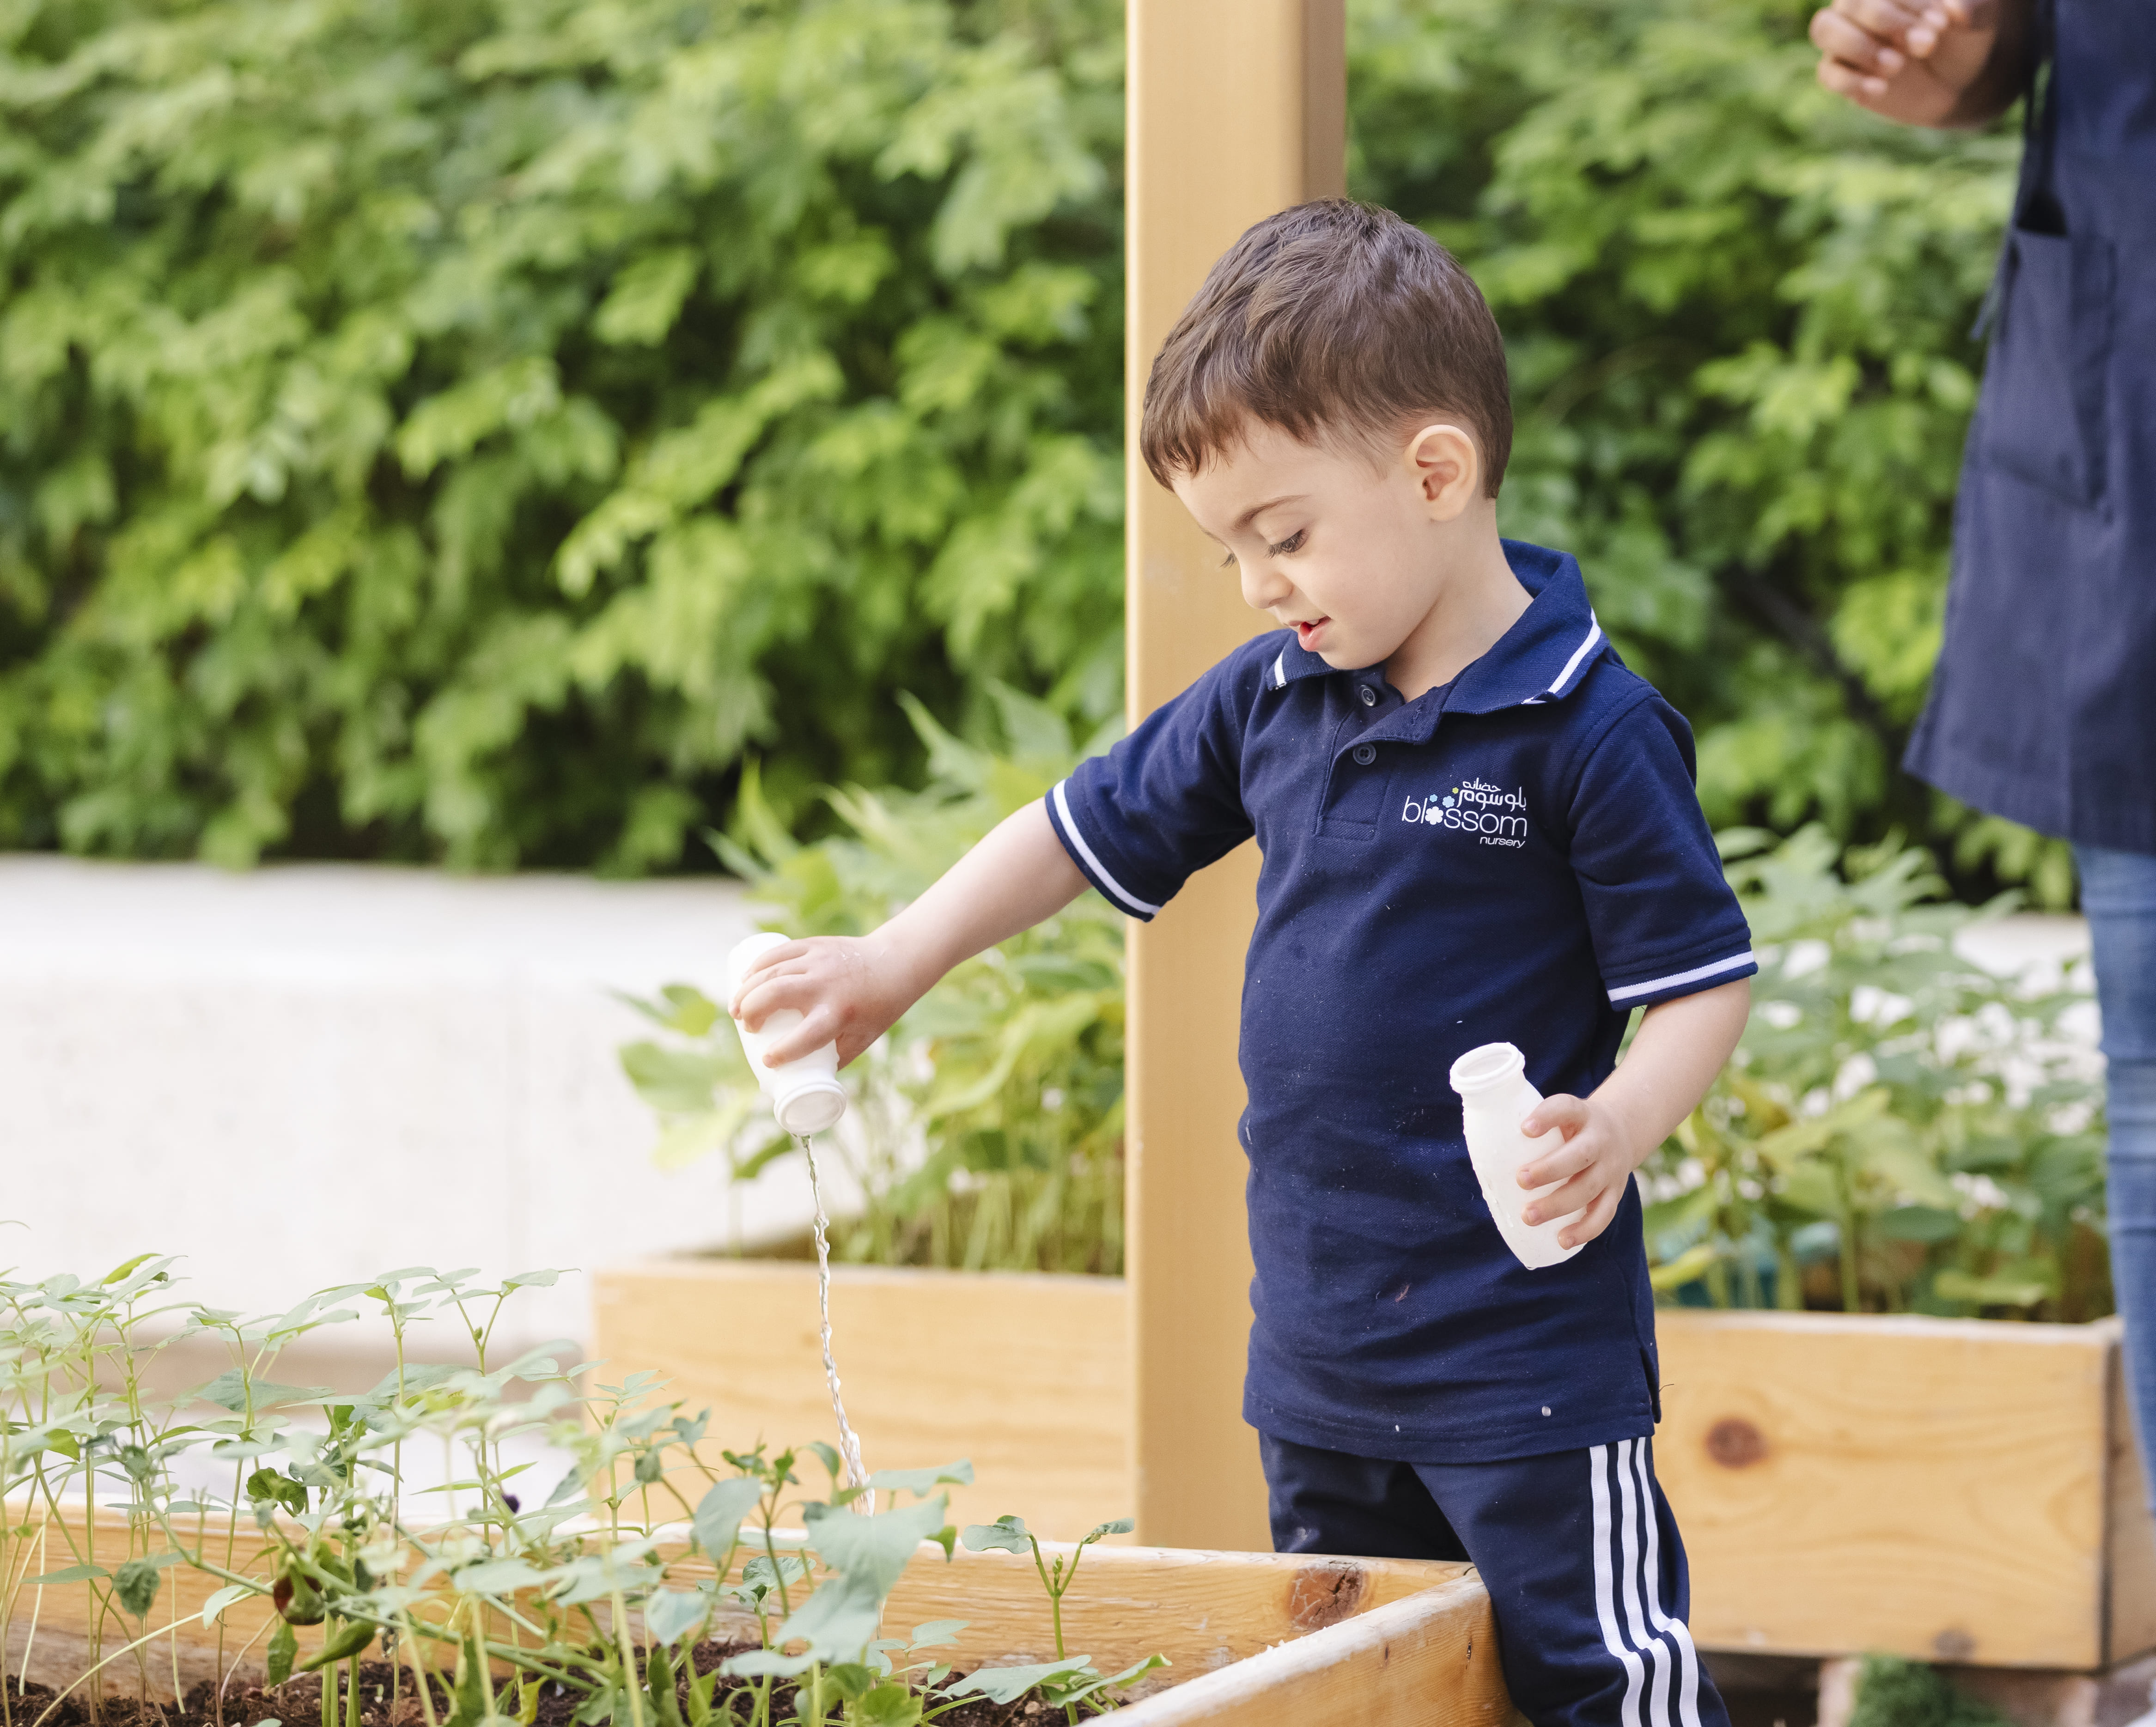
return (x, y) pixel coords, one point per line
(457, 428)
(986, 1131)
(460, 430)
(1737, 311)
(1900, 1130)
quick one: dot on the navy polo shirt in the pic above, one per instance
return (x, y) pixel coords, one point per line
(1518, 856)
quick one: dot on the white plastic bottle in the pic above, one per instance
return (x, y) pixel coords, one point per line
(805, 1093)
(1495, 1097)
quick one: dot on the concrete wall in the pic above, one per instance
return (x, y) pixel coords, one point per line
(311, 1072)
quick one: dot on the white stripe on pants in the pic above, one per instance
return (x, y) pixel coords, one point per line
(1631, 1550)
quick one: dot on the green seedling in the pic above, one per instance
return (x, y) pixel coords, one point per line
(1069, 1680)
(598, 1590)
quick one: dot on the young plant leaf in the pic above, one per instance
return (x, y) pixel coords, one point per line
(719, 1513)
(869, 1552)
(136, 1586)
(888, 1705)
(766, 1663)
(72, 1573)
(1008, 1533)
(283, 1646)
(1120, 1526)
(1007, 1684)
(921, 1482)
(670, 1614)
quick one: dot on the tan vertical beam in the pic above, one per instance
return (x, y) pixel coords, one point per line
(1237, 109)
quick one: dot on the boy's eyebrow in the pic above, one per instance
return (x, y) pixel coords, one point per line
(1255, 510)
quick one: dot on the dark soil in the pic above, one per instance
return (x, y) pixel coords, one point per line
(298, 1703)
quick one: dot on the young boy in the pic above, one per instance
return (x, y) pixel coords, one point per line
(1477, 826)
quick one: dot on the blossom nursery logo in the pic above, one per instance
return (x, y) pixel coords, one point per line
(1494, 815)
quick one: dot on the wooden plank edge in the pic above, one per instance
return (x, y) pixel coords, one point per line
(2010, 1333)
(1084, 1284)
(1409, 1649)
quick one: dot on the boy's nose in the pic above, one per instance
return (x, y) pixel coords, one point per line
(1263, 588)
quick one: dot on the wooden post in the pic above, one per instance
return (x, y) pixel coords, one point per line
(1237, 108)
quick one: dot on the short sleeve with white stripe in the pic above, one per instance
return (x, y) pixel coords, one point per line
(1166, 800)
(1661, 916)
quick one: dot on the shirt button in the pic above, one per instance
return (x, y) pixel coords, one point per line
(1365, 754)
(1369, 696)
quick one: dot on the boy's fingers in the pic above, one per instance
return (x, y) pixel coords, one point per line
(1573, 1192)
(1592, 1221)
(816, 1029)
(1570, 1162)
(761, 997)
(1563, 1112)
(761, 964)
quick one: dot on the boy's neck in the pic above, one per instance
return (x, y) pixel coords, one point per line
(1478, 599)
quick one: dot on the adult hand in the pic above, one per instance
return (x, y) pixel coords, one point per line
(1918, 62)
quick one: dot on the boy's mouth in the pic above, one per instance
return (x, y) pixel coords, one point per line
(1306, 634)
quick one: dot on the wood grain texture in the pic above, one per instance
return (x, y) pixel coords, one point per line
(1428, 1661)
(1207, 1611)
(1236, 111)
(2130, 1598)
(1938, 1488)
(58, 1641)
(1028, 1376)
(1202, 1610)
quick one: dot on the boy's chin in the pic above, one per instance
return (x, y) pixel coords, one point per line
(1351, 656)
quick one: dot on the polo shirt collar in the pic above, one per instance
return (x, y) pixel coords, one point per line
(1541, 659)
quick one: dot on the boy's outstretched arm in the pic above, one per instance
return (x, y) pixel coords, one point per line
(852, 988)
(1680, 1048)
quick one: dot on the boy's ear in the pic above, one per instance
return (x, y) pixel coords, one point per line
(1447, 466)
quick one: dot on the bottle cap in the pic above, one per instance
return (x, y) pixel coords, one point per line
(810, 1106)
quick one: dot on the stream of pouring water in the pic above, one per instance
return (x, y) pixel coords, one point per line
(849, 1446)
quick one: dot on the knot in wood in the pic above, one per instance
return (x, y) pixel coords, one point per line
(1953, 1644)
(1733, 1442)
(1326, 1593)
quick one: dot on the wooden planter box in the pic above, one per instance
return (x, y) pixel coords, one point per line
(1959, 1490)
(1259, 1640)
(1028, 1375)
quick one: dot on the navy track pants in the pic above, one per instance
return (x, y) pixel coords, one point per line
(1578, 1549)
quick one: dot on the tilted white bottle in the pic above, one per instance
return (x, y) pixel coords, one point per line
(1495, 1097)
(805, 1093)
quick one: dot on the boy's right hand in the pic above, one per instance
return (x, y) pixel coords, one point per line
(848, 989)
(852, 989)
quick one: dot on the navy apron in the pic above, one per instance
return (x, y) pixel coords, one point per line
(2043, 706)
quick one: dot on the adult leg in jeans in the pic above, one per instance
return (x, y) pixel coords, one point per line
(2118, 892)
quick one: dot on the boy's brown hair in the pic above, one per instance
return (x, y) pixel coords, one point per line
(1337, 322)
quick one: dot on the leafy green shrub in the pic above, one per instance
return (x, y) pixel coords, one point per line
(1737, 311)
(1011, 1066)
(458, 427)
(1915, 1127)
(1892, 1692)
(460, 430)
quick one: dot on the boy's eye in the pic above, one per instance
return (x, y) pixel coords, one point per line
(1292, 543)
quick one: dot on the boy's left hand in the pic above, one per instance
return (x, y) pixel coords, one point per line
(1599, 1153)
